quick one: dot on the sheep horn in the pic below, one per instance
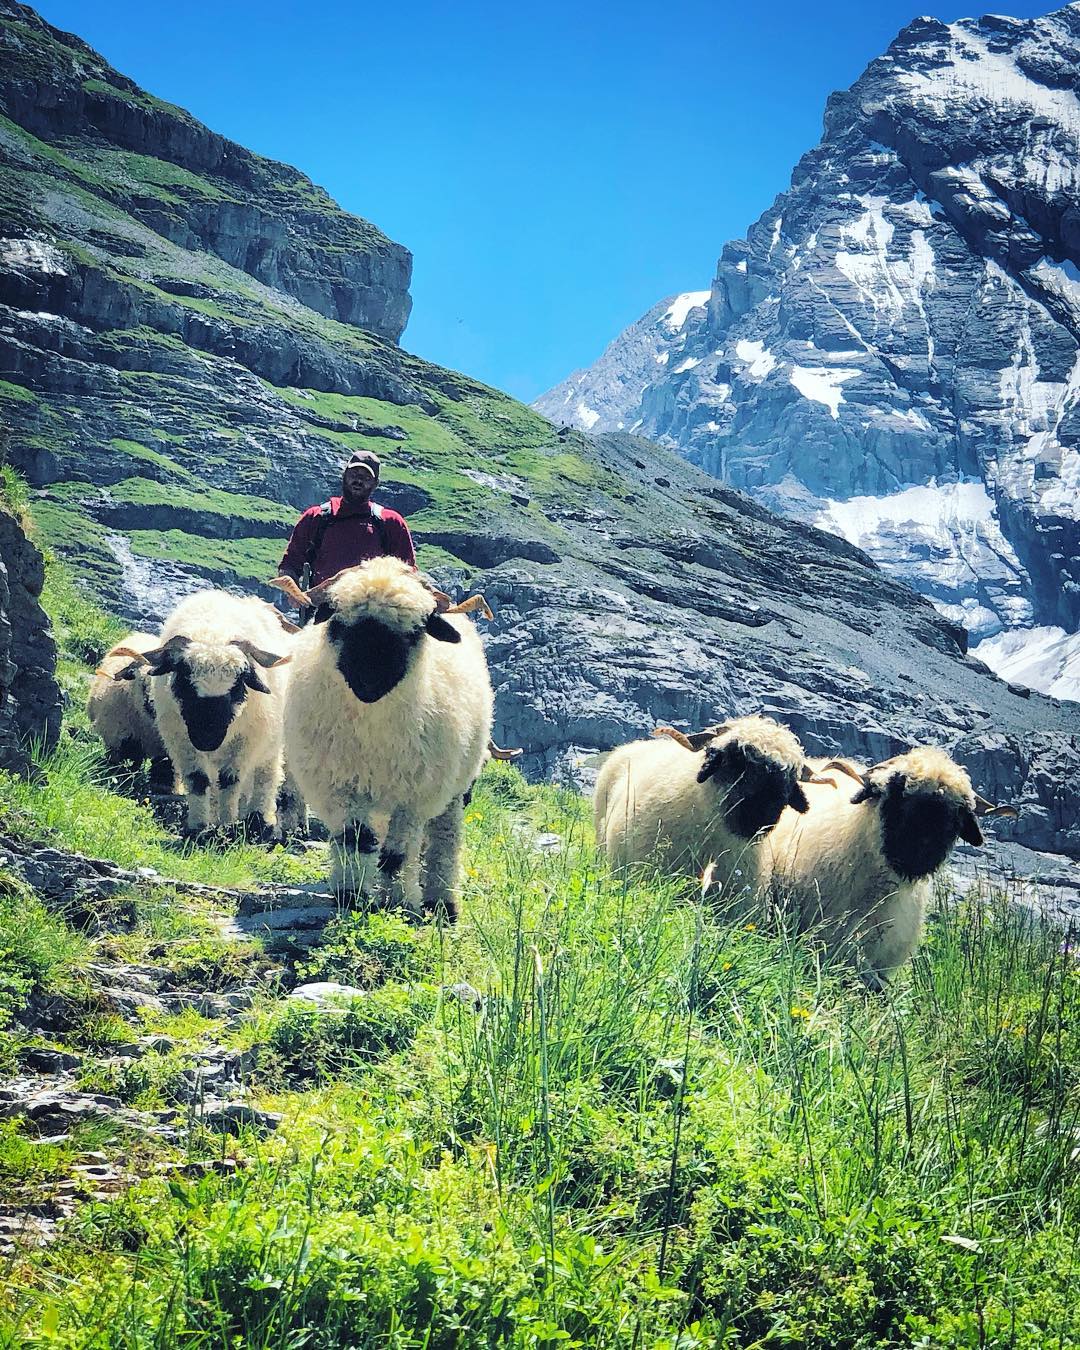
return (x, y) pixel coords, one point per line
(259, 654)
(292, 590)
(497, 753)
(989, 810)
(288, 626)
(695, 740)
(467, 606)
(844, 766)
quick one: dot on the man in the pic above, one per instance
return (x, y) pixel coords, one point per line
(348, 529)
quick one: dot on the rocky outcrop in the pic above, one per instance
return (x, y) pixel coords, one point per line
(893, 352)
(30, 702)
(194, 187)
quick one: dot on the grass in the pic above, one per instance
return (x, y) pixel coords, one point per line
(661, 1130)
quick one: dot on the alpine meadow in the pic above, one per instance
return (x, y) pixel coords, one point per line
(644, 924)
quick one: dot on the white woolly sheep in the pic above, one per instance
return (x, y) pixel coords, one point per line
(386, 729)
(217, 687)
(121, 712)
(707, 797)
(858, 867)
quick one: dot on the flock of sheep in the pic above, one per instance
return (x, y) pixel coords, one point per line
(377, 715)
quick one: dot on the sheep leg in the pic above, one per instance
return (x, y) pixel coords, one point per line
(292, 815)
(399, 860)
(890, 937)
(201, 792)
(442, 852)
(353, 850)
(260, 808)
(228, 781)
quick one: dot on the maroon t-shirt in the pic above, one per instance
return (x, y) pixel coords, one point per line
(351, 535)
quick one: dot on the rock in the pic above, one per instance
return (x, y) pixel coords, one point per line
(49, 1061)
(547, 842)
(30, 703)
(466, 994)
(326, 994)
(236, 1117)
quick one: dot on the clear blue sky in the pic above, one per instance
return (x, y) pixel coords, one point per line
(555, 169)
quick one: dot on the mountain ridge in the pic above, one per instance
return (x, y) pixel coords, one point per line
(905, 315)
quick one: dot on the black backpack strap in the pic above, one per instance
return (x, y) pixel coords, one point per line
(318, 534)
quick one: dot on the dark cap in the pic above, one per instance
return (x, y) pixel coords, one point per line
(364, 459)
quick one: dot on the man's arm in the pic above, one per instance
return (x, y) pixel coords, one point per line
(400, 541)
(294, 557)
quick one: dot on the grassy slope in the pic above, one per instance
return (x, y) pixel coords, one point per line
(663, 1129)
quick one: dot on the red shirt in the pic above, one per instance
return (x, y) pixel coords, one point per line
(351, 535)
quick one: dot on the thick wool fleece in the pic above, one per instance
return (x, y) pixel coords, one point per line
(828, 868)
(404, 762)
(118, 709)
(246, 770)
(649, 804)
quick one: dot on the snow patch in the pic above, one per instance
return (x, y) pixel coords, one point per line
(1045, 659)
(943, 508)
(661, 358)
(678, 311)
(758, 358)
(688, 364)
(821, 384)
(588, 417)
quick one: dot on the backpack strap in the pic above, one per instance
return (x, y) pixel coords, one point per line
(380, 525)
(318, 534)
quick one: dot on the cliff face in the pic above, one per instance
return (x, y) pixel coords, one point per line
(893, 352)
(174, 410)
(30, 701)
(196, 189)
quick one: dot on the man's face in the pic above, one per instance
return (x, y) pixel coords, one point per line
(357, 484)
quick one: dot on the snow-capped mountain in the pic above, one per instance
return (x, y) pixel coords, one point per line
(893, 352)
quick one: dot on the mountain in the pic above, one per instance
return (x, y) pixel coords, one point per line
(193, 338)
(893, 352)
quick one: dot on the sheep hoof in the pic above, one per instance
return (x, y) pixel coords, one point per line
(445, 908)
(257, 830)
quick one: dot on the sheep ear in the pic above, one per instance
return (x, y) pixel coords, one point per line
(969, 828)
(797, 799)
(130, 671)
(322, 613)
(714, 762)
(254, 680)
(867, 793)
(440, 630)
(164, 659)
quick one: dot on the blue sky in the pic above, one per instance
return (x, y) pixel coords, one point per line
(555, 169)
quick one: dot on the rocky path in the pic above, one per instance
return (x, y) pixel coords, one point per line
(209, 1094)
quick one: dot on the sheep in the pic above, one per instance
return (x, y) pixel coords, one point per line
(121, 712)
(217, 688)
(387, 725)
(712, 804)
(859, 868)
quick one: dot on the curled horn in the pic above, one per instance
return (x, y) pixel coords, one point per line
(695, 740)
(259, 654)
(467, 606)
(311, 599)
(808, 775)
(496, 752)
(286, 624)
(989, 810)
(289, 587)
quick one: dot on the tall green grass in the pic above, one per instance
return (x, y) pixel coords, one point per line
(662, 1129)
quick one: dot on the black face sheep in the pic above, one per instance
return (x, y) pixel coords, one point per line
(708, 797)
(858, 867)
(217, 686)
(120, 709)
(386, 728)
